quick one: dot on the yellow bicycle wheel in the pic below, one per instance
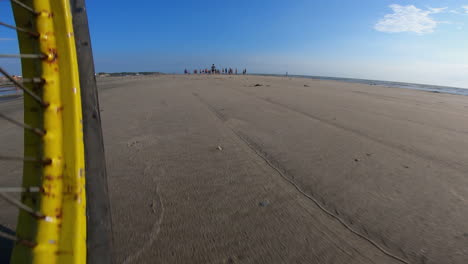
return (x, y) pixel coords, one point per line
(51, 225)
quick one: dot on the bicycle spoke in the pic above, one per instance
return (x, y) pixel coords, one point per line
(19, 85)
(19, 158)
(30, 9)
(17, 239)
(23, 56)
(35, 130)
(33, 80)
(22, 206)
(20, 29)
(19, 189)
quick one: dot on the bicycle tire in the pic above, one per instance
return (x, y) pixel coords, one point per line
(99, 233)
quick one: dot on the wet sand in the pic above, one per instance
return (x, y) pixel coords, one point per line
(214, 169)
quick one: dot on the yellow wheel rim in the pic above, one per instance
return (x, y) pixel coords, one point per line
(58, 231)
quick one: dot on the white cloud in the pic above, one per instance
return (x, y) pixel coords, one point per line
(409, 19)
(466, 8)
(437, 10)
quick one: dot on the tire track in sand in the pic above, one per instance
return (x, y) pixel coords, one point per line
(156, 228)
(260, 154)
(453, 165)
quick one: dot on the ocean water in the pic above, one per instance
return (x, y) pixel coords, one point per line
(414, 86)
(9, 92)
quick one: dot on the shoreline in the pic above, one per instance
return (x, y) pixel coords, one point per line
(387, 84)
(428, 88)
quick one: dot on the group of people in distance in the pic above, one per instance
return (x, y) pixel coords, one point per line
(213, 70)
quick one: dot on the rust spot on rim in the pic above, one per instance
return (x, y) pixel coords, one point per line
(27, 243)
(58, 213)
(63, 252)
(51, 56)
(51, 178)
(47, 161)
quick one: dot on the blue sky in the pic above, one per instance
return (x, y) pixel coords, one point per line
(412, 41)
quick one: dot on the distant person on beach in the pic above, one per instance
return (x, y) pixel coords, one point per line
(185, 71)
(236, 71)
(213, 68)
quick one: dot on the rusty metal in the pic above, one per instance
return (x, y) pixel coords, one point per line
(60, 208)
(20, 29)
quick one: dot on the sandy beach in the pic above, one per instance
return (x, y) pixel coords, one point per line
(257, 169)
